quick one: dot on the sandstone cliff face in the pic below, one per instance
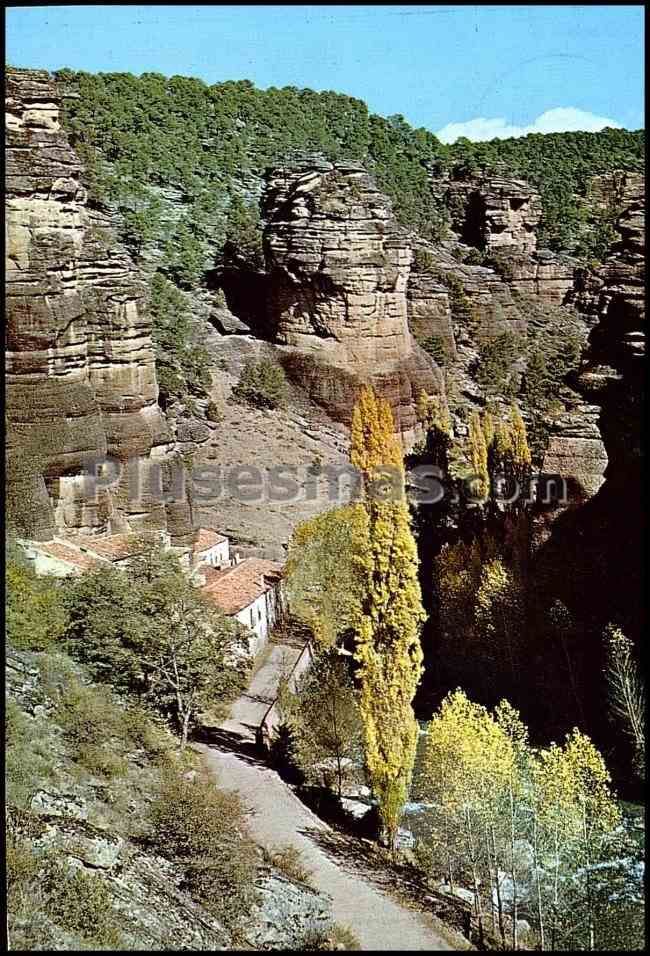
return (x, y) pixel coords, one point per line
(338, 267)
(500, 216)
(493, 212)
(80, 368)
(601, 541)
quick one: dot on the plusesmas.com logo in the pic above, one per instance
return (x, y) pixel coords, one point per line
(167, 482)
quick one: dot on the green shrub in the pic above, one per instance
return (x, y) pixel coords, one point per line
(213, 413)
(29, 763)
(202, 827)
(288, 859)
(262, 384)
(40, 884)
(89, 714)
(101, 761)
(35, 612)
(423, 260)
(475, 257)
(15, 723)
(496, 357)
(182, 366)
(80, 903)
(436, 348)
(328, 939)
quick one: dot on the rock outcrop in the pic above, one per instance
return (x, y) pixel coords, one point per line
(338, 266)
(500, 216)
(601, 540)
(493, 212)
(81, 381)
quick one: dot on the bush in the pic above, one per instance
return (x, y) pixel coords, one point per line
(262, 384)
(81, 903)
(474, 258)
(29, 764)
(288, 859)
(436, 348)
(182, 367)
(496, 357)
(35, 613)
(213, 413)
(40, 885)
(423, 260)
(203, 828)
(328, 939)
(89, 715)
(101, 761)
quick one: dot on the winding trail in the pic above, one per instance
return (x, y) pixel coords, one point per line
(277, 816)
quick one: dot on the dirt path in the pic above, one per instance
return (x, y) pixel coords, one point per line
(277, 816)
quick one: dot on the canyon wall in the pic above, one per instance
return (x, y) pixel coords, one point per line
(338, 268)
(592, 552)
(80, 370)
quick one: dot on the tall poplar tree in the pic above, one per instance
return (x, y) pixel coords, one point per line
(387, 636)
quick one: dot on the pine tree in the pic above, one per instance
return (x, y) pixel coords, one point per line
(387, 634)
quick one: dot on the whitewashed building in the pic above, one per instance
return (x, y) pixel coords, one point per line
(251, 592)
(211, 548)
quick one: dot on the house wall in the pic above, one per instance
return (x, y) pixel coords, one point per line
(265, 611)
(47, 564)
(217, 555)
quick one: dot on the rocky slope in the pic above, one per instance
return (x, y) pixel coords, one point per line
(345, 296)
(95, 823)
(81, 380)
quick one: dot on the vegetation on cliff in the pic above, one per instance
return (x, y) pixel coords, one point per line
(140, 136)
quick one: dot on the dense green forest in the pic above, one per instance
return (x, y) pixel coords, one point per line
(139, 136)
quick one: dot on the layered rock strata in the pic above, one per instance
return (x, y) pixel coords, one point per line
(338, 266)
(80, 368)
(493, 212)
(601, 540)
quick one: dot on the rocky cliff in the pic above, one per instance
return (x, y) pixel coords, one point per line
(338, 268)
(81, 380)
(602, 539)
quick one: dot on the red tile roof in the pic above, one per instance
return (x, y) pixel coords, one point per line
(206, 538)
(62, 552)
(112, 547)
(235, 588)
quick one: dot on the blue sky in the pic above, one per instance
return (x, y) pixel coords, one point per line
(458, 70)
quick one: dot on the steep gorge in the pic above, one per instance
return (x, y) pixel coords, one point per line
(81, 381)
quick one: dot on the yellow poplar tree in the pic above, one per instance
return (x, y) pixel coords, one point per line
(387, 635)
(467, 767)
(478, 455)
(574, 812)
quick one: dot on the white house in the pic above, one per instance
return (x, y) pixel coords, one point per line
(251, 592)
(211, 548)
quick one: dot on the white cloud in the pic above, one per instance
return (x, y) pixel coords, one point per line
(562, 119)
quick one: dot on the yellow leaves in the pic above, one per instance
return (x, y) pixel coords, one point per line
(324, 570)
(478, 457)
(433, 412)
(572, 787)
(520, 449)
(387, 630)
(374, 442)
(469, 758)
